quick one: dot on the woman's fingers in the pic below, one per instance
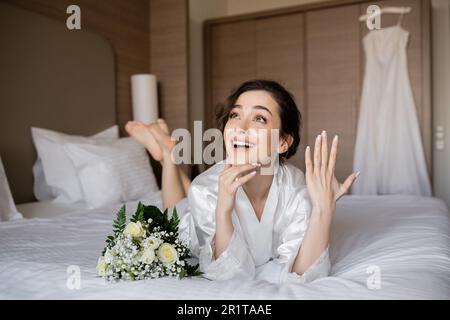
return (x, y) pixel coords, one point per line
(348, 183)
(239, 181)
(317, 150)
(226, 169)
(324, 152)
(308, 161)
(237, 171)
(333, 154)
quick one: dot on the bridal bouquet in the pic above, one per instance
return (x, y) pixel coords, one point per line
(145, 248)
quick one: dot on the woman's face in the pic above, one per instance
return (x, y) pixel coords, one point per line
(251, 122)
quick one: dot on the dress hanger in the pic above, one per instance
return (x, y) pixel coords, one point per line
(400, 19)
(394, 10)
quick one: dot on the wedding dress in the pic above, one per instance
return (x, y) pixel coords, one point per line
(388, 150)
(259, 249)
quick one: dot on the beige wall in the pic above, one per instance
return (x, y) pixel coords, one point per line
(169, 54)
(199, 11)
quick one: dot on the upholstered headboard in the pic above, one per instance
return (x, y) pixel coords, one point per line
(50, 77)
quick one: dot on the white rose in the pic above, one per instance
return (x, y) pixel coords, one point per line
(148, 256)
(101, 266)
(167, 254)
(134, 229)
(152, 242)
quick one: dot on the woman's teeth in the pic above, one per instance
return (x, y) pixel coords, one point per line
(240, 144)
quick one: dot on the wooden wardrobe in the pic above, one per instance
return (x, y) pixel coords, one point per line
(316, 52)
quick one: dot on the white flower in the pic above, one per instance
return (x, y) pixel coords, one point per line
(148, 256)
(134, 229)
(152, 242)
(108, 257)
(101, 266)
(167, 254)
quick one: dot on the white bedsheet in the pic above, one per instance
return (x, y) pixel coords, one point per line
(48, 209)
(405, 238)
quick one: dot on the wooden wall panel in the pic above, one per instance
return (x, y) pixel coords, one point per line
(123, 23)
(169, 49)
(232, 62)
(279, 56)
(269, 48)
(333, 82)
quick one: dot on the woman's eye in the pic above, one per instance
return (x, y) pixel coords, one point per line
(260, 119)
(233, 115)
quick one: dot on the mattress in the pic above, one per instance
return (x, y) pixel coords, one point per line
(382, 247)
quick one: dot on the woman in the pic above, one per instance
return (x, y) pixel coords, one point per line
(241, 223)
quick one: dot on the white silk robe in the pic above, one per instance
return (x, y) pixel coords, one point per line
(263, 249)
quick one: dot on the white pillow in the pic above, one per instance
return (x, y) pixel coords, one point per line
(112, 173)
(42, 191)
(54, 174)
(8, 210)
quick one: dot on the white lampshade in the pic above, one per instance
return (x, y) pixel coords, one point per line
(144, 94)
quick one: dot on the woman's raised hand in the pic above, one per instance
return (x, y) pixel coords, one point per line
(230, 179)
(323, 187)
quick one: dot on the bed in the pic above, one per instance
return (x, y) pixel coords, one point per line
(382, 247)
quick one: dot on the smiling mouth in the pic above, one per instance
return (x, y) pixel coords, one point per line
(243, 145)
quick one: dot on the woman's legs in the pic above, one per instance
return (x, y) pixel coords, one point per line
(184, 178)
(172, 184)
(155, 137)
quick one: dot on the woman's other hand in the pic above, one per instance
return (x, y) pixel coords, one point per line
(323, 187)
(230, 179)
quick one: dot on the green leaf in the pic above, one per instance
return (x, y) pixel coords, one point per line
(118, 226)
(165, 219)
(138, 216)
(183, 273)
(152, 212)
(173, 222)
(192, 271)
(120, 223)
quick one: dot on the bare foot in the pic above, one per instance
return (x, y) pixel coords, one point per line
(163, 125)
(141, 132)
(160, 133)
